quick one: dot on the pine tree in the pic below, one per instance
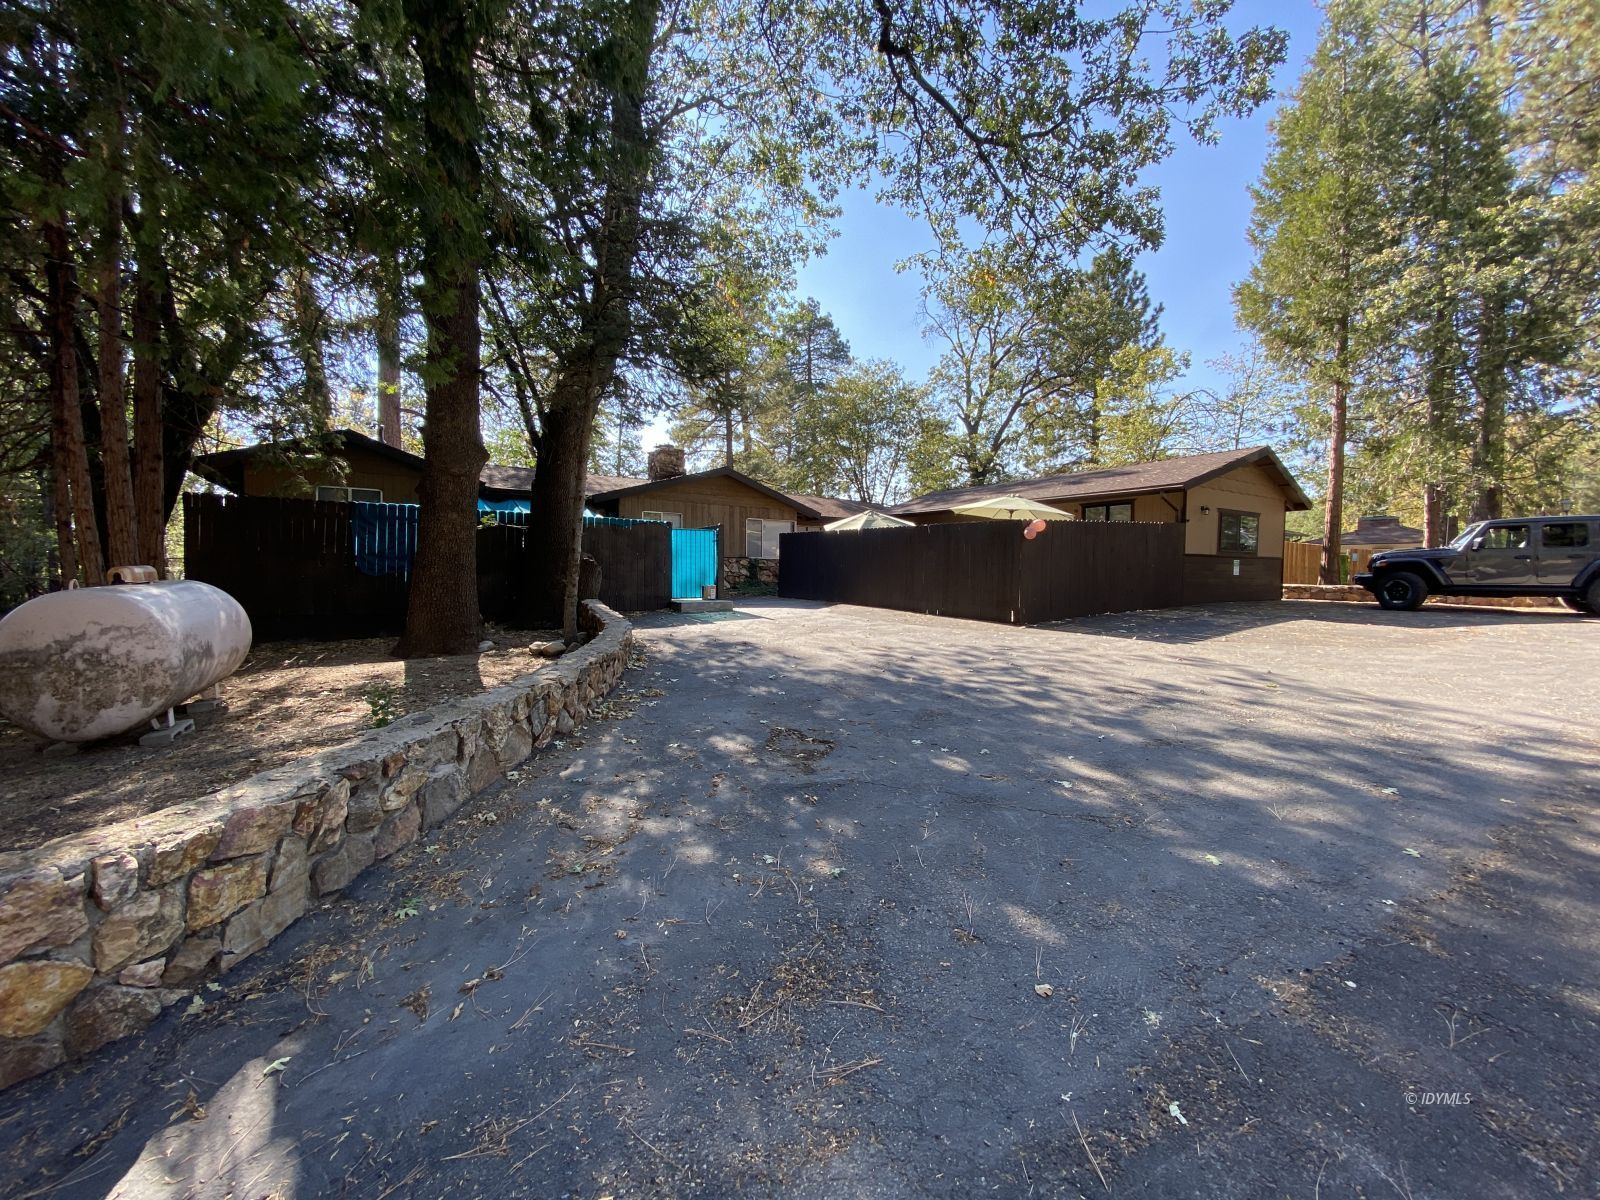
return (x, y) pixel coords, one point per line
(1319, 232)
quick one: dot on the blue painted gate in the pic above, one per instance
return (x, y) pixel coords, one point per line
(694, 561)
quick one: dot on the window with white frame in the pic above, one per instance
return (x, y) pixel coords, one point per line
(761, 537)
(344, 495)
(673, 519)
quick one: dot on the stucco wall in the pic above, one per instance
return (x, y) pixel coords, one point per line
(1247, 489)
(102, 930)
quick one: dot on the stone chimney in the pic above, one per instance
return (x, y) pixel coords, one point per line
(665, 462)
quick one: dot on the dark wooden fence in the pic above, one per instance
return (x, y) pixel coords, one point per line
(987, 570)
(296, 567)
(635, 560)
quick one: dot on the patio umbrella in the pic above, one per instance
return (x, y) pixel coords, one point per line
(1012, 508)
(870, 519)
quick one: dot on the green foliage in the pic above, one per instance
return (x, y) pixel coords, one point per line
(1425, 231)
(383, 703)
(857, 435)
(1021, 383)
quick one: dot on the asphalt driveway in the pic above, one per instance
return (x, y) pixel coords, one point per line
(1259, 900)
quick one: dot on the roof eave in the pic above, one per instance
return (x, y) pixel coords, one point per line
(804, 510)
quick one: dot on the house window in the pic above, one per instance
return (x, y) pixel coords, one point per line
(1238, 532)
(761, 537)
(1108, 512)
(343, 495)
(673, 519)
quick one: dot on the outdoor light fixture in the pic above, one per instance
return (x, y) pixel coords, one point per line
(1204, 508)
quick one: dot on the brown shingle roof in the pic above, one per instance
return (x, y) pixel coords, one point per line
(833, 508)
(520, 480)
(801, 504)
(1376, 531)
(1162, 475)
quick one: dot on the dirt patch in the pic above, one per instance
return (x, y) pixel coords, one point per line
(801, 749)
(288, 700)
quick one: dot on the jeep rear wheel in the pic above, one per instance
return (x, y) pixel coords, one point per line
(1402, 591)
(1574, 604)
(1590, 603)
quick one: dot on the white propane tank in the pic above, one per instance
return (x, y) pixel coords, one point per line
(92, 662)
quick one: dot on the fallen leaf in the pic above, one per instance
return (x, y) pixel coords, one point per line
(275, 1066)
(1044, 990)
(1413, 853)
(1391, 791)
(1213, 860)
(1173, 1107)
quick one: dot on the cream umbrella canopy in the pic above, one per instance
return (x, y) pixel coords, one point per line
(1012, 508)
(869, 519)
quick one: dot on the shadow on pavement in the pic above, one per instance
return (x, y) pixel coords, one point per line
(870, 904)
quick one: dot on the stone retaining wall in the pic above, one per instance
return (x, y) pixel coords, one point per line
(1351, 591)
(741, 572)
(102, 930)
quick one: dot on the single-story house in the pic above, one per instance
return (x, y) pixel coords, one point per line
(348, 465)
(751, 515)
(1373, 535)
(1231, 504)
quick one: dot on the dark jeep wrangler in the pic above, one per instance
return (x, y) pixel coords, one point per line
(1514, 556)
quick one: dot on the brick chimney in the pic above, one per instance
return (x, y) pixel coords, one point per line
(665, 462)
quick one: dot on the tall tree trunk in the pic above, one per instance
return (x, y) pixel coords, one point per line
(1489, 447)
(586, 373)
(1439, 438)
(147, 433)
(387, 334)
(59, 506)
(194, 398)
(122, 529)
(558, 500)
(442, 611)
(1333, 510)
(1434, 532)
(311, 320)
(727, 438)
(69, 454)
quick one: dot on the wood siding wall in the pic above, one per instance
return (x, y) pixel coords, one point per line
(988, 571)
(707, 502)
(355, 468)
(1210, 579)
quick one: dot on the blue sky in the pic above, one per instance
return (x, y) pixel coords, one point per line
(1207, 205)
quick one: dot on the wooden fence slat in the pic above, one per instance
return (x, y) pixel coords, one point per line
(294, 564)
(988, 571)
(1302, 563)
